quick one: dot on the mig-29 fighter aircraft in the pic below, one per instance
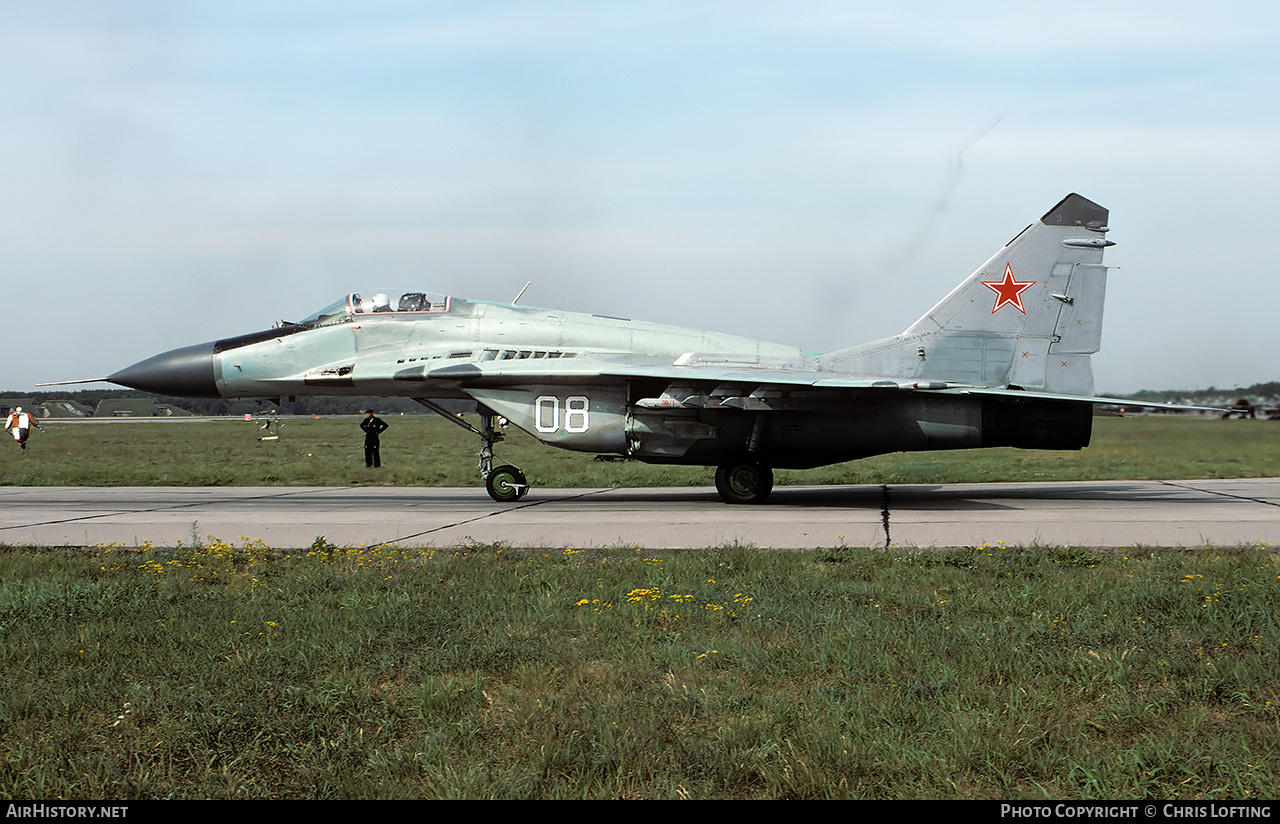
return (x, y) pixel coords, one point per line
(1004, 360)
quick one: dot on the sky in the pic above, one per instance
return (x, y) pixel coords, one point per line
(807, 172)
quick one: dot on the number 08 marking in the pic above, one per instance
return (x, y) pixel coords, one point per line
(577, 414)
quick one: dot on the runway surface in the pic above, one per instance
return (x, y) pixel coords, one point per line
(1093, 514)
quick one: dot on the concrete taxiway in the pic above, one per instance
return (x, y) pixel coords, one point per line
(1094, 514)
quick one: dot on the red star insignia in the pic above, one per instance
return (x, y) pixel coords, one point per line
(1008, 290)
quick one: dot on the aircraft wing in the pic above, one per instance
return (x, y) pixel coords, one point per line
(723, 381)
(585, 369)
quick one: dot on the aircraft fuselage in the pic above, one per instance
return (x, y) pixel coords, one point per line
(1002, 360)
(445, 354)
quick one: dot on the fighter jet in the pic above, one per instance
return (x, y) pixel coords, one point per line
(1003, 360)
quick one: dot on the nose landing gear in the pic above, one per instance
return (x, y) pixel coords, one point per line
(506, 484)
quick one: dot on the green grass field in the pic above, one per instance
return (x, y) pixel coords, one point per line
(428, 451)
(492, 672)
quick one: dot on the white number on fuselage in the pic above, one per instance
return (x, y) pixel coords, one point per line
(547, 416)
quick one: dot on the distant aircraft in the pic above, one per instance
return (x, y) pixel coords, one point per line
(1004, 360)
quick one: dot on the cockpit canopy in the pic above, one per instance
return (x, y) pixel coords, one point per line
(380, 301)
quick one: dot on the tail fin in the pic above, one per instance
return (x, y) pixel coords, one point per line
(1030, 317)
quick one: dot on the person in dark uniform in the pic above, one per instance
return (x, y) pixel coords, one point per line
(373, 426)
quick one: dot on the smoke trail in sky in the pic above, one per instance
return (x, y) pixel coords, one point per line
(955, 169)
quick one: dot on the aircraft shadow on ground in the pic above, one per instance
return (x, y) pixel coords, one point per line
(920, 496)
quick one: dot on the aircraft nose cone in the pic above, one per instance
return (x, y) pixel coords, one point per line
(185, 373)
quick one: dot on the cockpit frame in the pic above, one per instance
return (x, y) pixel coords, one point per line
(379, 302)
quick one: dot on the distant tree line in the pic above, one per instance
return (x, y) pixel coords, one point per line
(217, 406)
(1259, 393)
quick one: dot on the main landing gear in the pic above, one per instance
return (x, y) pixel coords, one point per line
(506, 484)
(743, 481)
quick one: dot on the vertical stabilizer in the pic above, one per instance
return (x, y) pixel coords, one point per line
(1029, 317)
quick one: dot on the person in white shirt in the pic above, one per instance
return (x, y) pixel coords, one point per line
(19, 424)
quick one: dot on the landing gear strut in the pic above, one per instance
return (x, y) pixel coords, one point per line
(744, 481)
(506, 484)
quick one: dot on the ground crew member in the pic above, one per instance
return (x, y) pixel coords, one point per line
(19, 423)
(373, 426)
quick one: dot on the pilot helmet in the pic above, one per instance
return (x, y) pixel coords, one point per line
(381, 302)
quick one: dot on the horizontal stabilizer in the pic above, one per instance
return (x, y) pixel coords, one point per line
(1020, 394)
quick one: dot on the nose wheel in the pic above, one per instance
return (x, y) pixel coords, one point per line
(506, 484)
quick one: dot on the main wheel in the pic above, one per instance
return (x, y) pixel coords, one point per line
(506, 484)
(743, 482)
